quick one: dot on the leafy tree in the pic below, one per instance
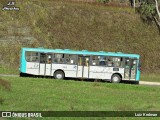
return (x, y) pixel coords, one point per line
(149, 11)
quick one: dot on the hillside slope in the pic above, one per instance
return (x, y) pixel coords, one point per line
(78, 26)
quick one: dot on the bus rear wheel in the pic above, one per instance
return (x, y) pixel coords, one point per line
(115, 78)
(59, 75)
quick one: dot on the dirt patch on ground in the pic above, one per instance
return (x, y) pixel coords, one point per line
(6, 86)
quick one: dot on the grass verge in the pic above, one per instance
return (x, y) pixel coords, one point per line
(7, 70)
(150, 77)
(40, 94)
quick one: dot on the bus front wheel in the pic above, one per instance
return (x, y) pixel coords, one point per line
(59, 75)
(115, 78)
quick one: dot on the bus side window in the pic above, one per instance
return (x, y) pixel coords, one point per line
(86, 62)
(58, 58)
(49, 59)
(79, 61)
(94, 60)
(109, 62)
(102, 60)
(31, 56)
(134, 63)
(117, 62)
(71, 59)
(114, 62)
(127, 62)
(98, 60)
(102, 63)
(42, 58)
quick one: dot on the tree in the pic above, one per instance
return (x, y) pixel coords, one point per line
(149, 11)
(132, 3)
(158, 13)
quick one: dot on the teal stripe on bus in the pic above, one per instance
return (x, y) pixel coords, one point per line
(23, 62)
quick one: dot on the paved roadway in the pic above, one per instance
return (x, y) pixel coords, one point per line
(140, 83)
(149, 83)
(9, 75)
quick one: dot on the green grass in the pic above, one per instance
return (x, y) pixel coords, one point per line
(150, 77)
(6, 70)
(40, 94)
(57, 95)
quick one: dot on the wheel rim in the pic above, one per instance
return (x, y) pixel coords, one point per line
(59, 76)
(115, 79)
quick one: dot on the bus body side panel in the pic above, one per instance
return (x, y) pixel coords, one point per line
(23, 62)
(69, 70)
(48, 70)
(100, 72)
(32, 68)
(80, 72)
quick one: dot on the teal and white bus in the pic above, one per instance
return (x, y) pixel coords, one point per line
(61, 63)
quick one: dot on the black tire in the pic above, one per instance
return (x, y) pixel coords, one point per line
(116, 78)
(22, 75)
(59, 75)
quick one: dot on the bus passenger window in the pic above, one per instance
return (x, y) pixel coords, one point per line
(102, 63)
(127, 62)
(59, 58)
(114, 62)
(98, 60)
(94, 60)
(71, 59)
(42, 58)
(31, 56)
(110, 63)
(102, 60)
(80, 61)
(49, 60)
(86, 62)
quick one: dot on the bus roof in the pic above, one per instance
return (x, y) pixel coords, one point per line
(83, 52)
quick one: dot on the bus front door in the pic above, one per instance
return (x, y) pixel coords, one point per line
(45, 64)
(83, 67)
(130, 69)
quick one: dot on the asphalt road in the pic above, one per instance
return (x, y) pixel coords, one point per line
(9, 75)
(140, 83)
(149, 83)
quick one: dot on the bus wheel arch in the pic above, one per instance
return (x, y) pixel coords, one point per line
(59, 74)
(116, 78)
